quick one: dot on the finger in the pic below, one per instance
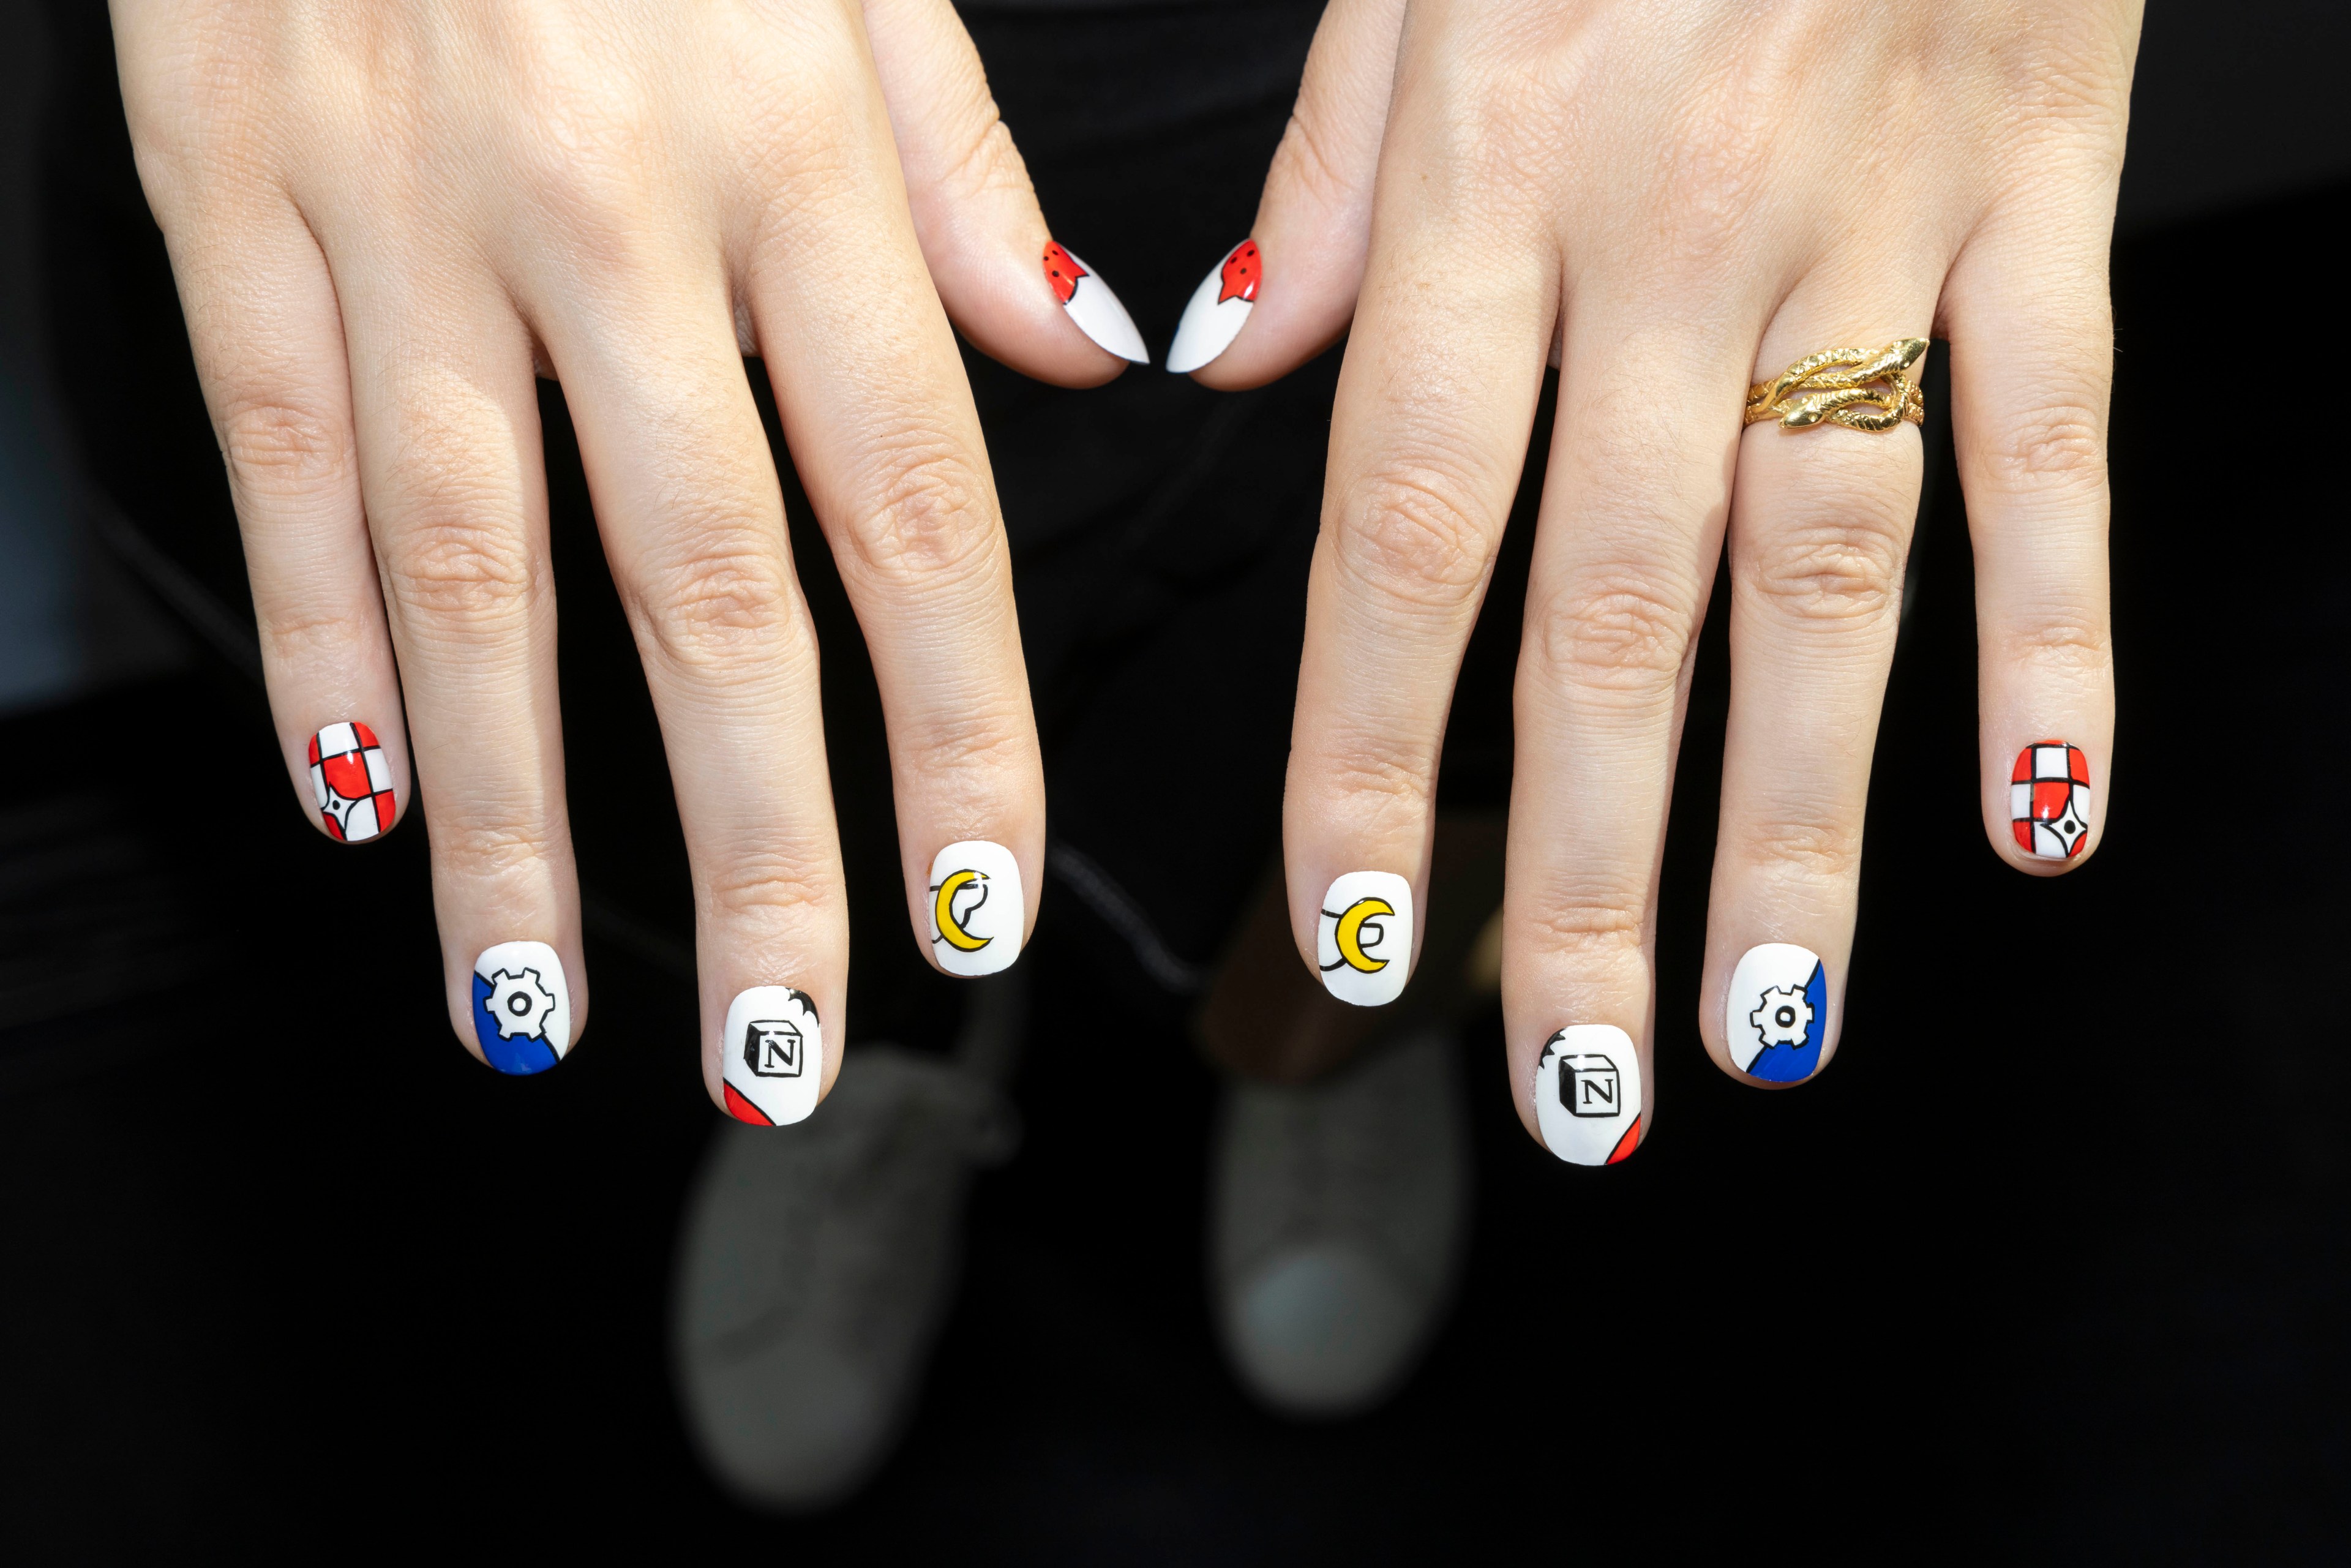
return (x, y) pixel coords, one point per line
(1015, 293)
(1820, 526)
(1634, 507)
(882, 429)
(691, 516)
(1313, 222)
(268, 343)
(1429, 432)
(2032, 372)
(447, 418)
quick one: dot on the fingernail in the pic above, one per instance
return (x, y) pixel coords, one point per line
(774, 1061)
(522, 1008)
(2049, 801)
(977, 912)
(1218, 307)
(1092, 305)
(352, 782)
(1588, 1094)
(1362, 942)
(1777, 1013)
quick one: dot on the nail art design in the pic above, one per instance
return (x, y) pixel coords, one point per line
(522, 1008)
(978, 910)
(2049, 801)
(1362, 942)
(1777, 1013)
(1092, 305)
(773, 1061)
(1218, 307)
(1588, 1094)
(353, 783)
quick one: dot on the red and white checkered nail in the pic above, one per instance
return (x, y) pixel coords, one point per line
(2049, 801)
(352, 782)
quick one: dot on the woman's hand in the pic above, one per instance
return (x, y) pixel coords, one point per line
(384, 216)
(1674, 201)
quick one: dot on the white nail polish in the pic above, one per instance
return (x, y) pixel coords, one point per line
(351, 782)
(2049, 801)
(1777, 1013)
(522, 1008)
(978, 914)
(1092, 305)
(1218, 307)
(1363, 937)
(771, 1057)
(1588, 1094)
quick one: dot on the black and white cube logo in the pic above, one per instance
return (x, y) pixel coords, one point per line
(771, 1048)
(1588, 1085)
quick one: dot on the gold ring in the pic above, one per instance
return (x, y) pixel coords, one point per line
(1832, 388)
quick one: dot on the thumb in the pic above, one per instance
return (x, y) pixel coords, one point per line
(1008, 287)
(1287, 292)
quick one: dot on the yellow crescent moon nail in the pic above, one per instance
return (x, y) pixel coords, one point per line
(943, 911)
(1350, 935)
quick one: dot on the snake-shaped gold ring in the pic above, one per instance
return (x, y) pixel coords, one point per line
(1838, 386)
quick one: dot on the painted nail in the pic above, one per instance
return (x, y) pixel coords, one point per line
(2049, 801)
(522, 1008)
(1362, 943)
(1218, 307)
(1092, 305)
(1777, 1013)
(1588, 1094)
(774, 1061)
(352, 782)
(977, 913)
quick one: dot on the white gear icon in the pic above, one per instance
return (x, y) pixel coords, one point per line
(1783, 1017)
(520, 1003)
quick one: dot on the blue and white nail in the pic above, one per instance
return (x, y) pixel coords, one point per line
(1777, 1013)
(522, 1008)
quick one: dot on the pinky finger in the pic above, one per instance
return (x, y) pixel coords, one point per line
(268, 344)
(2031, 333)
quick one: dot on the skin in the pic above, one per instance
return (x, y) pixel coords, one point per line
(384, 219)
(1669, 202)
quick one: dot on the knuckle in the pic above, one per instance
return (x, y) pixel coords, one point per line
(988, 751)
(1413, 537)
(1841, 570)
(1821, 851)
(1621, 628)
(932, 516)
(782, 881)
(2069, 643)
(728, 601)
(278, 447)
(1588, 931)
(483, 851)
(457, 563)
(2057, 441)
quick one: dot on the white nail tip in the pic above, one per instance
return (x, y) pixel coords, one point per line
(522, 1006)
(1216, 311)
(1363, 937)
(1776, 1014)
(771, 1057)
(1096, 311)
(1588, 1094)
(978, 912)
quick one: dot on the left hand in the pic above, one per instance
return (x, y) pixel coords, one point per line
(1674, 201)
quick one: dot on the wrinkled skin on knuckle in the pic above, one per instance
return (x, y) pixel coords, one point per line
(1582, 932)
(1412, 537)
(792, 880)
(464, 563)
(1819, 851)
(930, 518)
(482, 849)
(731, 599)
(2050, 442)
(1620, 628)
(2074, 643)
(280, 448)
(1845, 568)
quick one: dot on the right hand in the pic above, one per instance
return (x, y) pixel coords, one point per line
(383, 217)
